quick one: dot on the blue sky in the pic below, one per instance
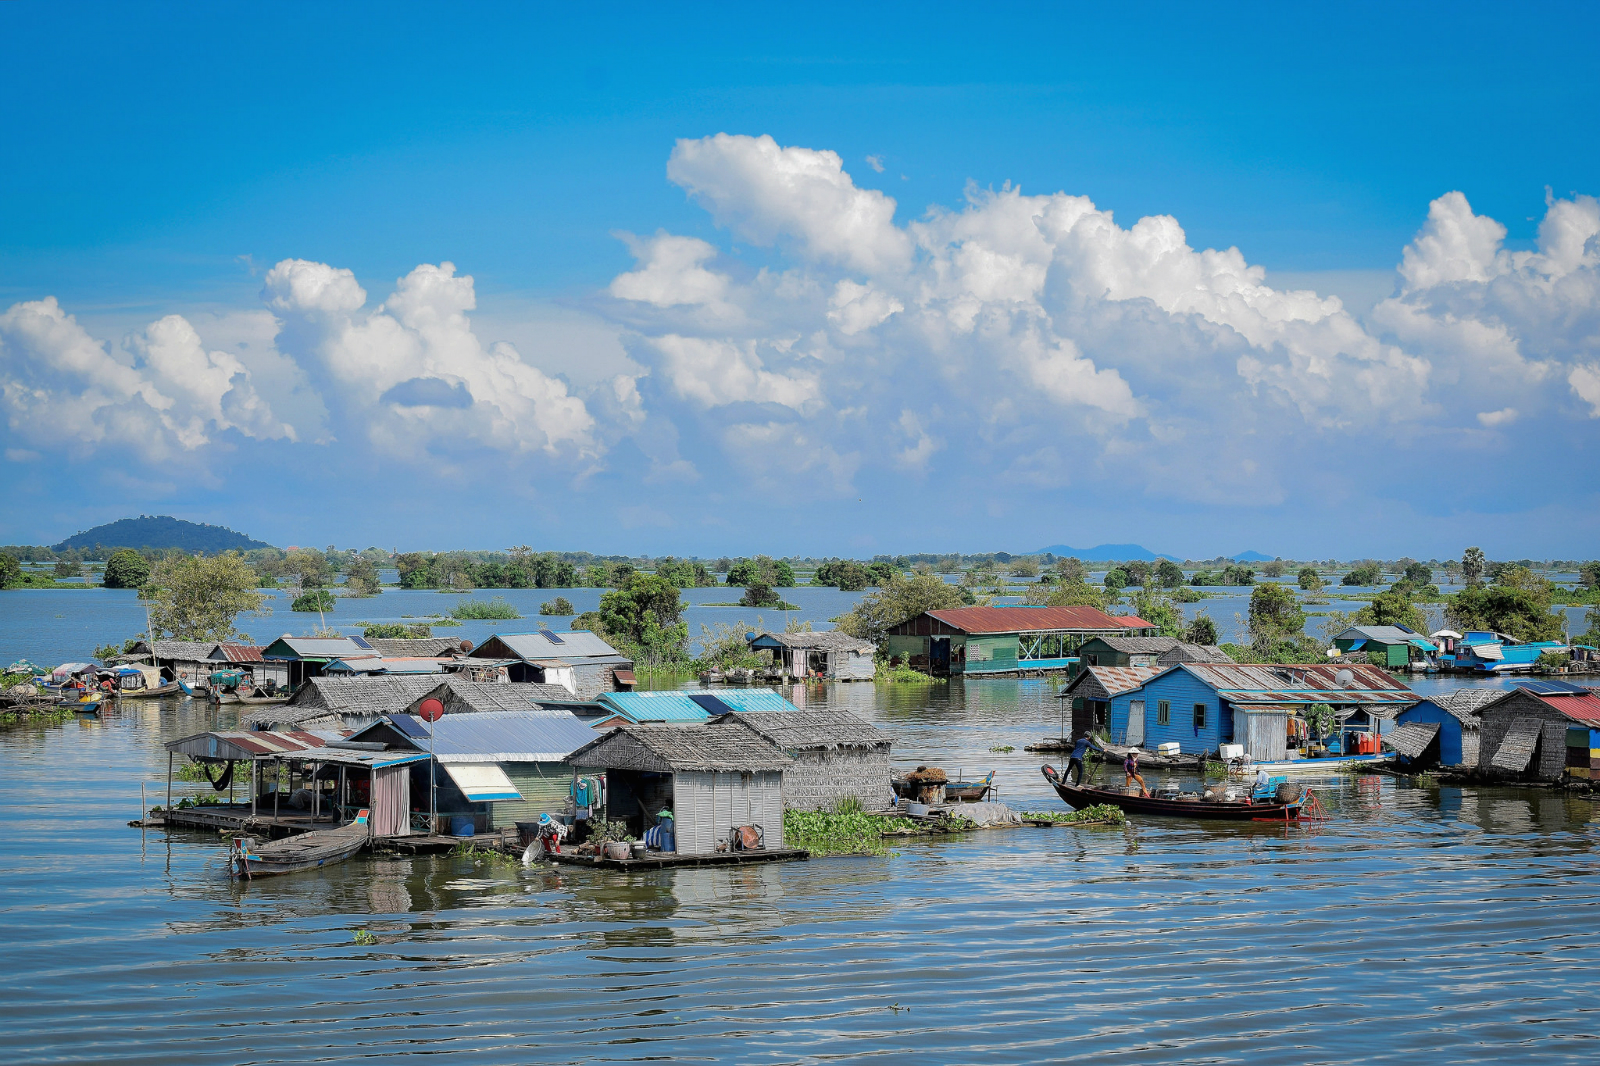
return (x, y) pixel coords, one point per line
(843, 279)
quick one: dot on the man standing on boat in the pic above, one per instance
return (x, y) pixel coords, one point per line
(1080, 749)
(1130, 771)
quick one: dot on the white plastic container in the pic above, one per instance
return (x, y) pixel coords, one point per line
(1171, 747)
(1232, 751)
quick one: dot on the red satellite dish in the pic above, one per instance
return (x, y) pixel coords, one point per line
(430, 710)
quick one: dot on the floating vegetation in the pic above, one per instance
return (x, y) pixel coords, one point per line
(496, 608)
(365, 937)
(1100, 812)
(1003, 748)
(841, 832)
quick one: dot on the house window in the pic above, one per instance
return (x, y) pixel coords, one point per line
(1163, 712)
(1199, 716)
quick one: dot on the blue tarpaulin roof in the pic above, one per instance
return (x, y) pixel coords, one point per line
(678, 706)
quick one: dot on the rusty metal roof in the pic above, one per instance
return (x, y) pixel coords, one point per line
(1583, 708)
(1301, 683)
(247, 743)
(238, 653)
(1035, 619)
(1103, 682)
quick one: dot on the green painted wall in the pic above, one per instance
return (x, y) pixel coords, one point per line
(545, 788)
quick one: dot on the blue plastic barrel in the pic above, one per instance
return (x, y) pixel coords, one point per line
(461, 825)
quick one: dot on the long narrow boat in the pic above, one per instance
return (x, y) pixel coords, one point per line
(305, 852)
(969, 791)
(148, 693)
(1078, 797)
(1107, 752)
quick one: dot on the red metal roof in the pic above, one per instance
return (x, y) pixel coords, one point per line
(1585, 708)
(242, 653)
(1032, 619)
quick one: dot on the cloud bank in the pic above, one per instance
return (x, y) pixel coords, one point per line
(1015, 344)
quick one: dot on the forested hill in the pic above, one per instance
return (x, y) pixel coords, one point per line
(160, 531)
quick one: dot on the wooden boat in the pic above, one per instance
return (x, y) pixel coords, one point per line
(189, 690)
(308, 851)
(1114, 753)
(1078, 797)
(969, 791)
(84, 706)
(148, 693)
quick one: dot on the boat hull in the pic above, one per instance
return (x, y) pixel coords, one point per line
(170, 688)
(310, 851)
(1334, 764)
(1078, 797)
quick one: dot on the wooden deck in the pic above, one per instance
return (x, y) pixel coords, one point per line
(663, 860)
(237, 818)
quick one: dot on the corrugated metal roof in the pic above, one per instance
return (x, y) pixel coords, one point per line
(1584, 708)
(1034, 619)
(826, 640)
(577, 643)
(1301, 683)
(1103, 682)
(317, 648)
(246, 743)
(236, 653)
(496, 736)
(679, 706)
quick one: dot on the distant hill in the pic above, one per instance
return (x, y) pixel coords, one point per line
(160, 531)
(1253, 557)
(1106, 553)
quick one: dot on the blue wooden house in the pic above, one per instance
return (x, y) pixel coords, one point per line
(1456, 715)
(1201, 706)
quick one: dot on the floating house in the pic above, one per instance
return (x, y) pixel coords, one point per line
(308, 656)
(381, 666)
(246, 658)
(1525, 730)
(178, 660)
(1443, 729)
(1396, 645)
(836, 756)
(419, 647)
(713, 777)
(576, 659)
(1146, 651)
(334, 778)
(494, 768)
(460, 696)
(829, 654)
(1091, 692)
(1496, 653)
(341, 702)
(1003, 641)
(1201, 706)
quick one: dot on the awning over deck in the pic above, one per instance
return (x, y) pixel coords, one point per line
(1412, 739)
(1517, 749)
(482, 782)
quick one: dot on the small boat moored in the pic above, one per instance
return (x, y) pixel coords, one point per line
(1284, 805)
(308, 851)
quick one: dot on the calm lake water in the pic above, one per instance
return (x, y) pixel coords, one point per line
(1420, 924)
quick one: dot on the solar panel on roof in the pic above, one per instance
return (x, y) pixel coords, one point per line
(1553, 688)
(551, 637)
(710, 704)
(361, 642)
(409, 725)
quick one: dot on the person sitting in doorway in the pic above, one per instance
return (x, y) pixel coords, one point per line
(1130, 772)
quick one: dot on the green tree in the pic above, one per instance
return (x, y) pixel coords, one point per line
(1419, 574)
(1392, 608)
(1275, 617)
(10, 571)
(559, 607)
(361, 577)
(759, 594)
(1201, 630)
(1168, 574)
(1154, 607)
(898, 600)
(1472, 566)
(1589, 574)
(416, 570)
(1518, 605)
(1310, 580)
(645, 614)
(126, 569)
(1366, 573)
(310, 565)
(199, 599)
(1275, 568)
(67, 568)
(775, 572)
(1072, 571)
(1116, 579)
(847, 575)
(1138, 572)
(314, 602)
(1238, 574)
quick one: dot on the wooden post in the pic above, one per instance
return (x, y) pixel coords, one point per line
(344, 799)
(255, 790)
(276, 781)
(169, 780)
(316, 792)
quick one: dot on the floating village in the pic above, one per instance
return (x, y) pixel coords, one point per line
(542, 745)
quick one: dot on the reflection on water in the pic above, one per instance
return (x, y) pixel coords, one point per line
(1442, 923)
